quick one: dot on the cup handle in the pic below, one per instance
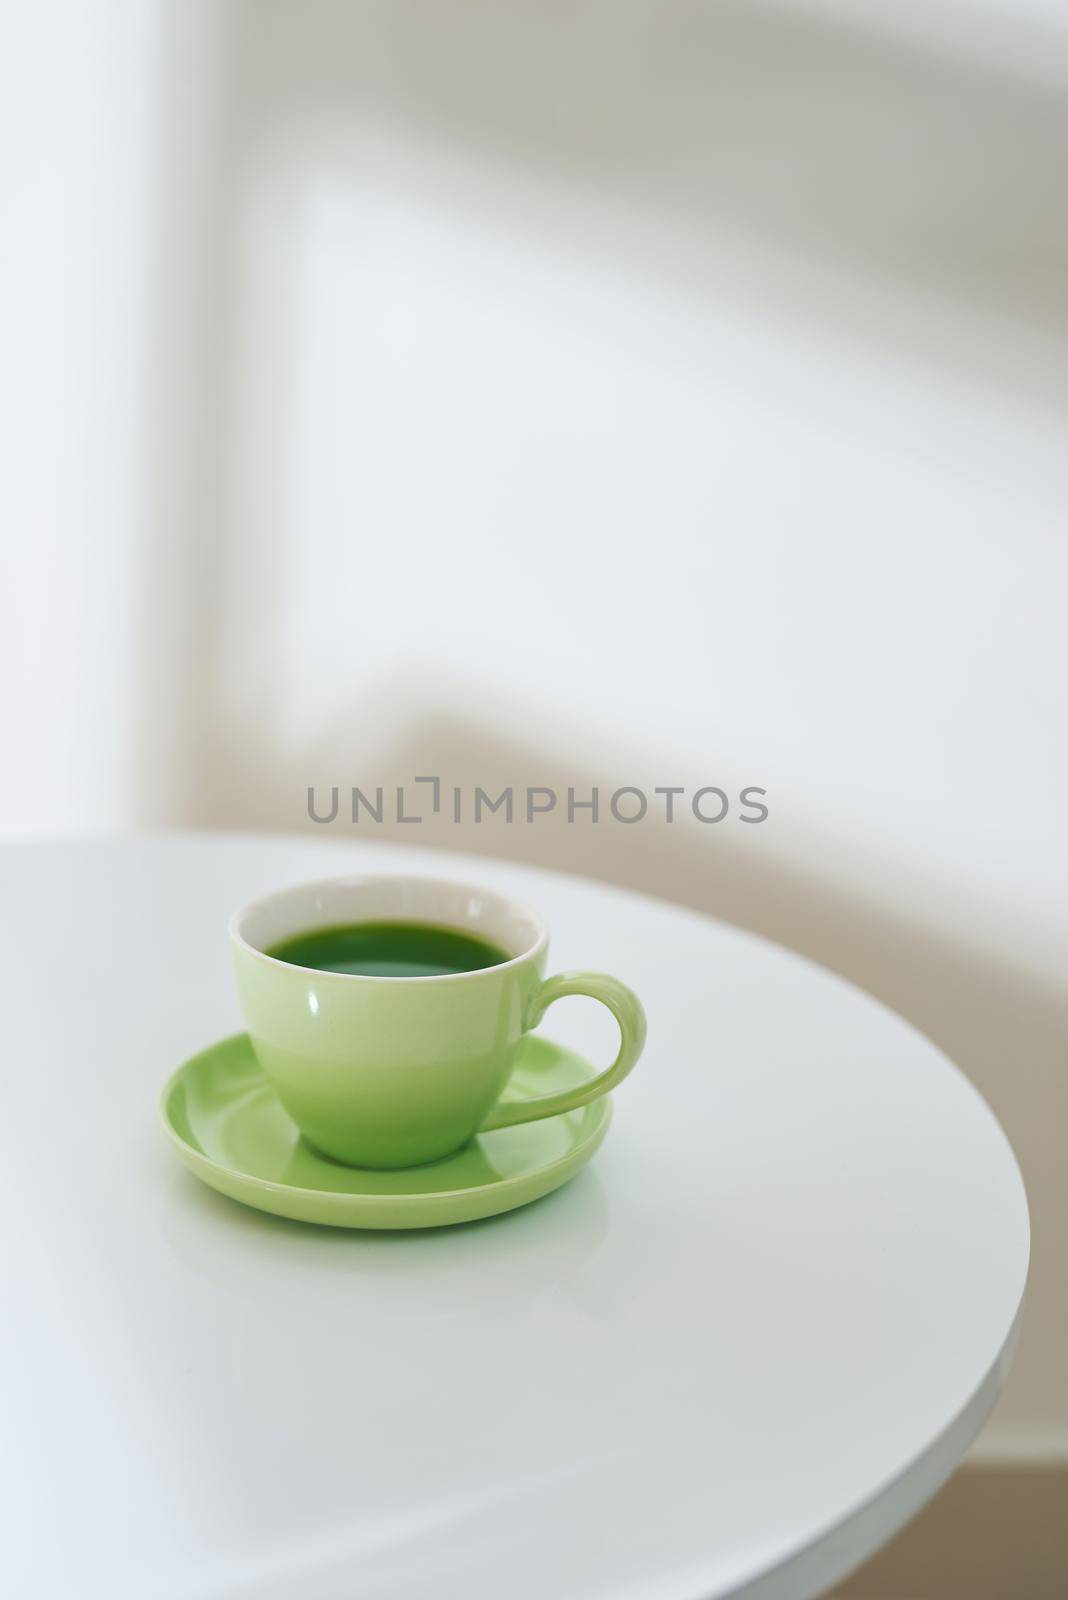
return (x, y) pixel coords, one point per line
(624, 1005)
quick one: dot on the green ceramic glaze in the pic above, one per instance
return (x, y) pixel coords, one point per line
(390, 1072)
(230, 1129)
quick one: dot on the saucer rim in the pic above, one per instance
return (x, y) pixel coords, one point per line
(601, 1108)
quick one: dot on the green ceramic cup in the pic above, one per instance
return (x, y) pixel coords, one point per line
(393, 1072)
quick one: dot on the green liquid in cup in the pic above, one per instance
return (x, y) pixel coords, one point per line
(388, 950)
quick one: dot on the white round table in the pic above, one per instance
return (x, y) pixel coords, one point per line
(731, 1358)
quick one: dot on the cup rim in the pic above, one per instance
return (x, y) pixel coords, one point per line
(238, 917)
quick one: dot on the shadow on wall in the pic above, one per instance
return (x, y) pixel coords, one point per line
(1004, 1027)
(813, 140)
(871, 188)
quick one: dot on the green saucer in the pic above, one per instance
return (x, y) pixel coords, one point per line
(229, 1128)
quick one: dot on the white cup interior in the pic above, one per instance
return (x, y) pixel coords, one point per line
(506, 923)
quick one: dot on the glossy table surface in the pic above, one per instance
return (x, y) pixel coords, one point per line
(730, 1358)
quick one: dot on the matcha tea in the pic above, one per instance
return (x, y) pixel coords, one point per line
(388, 950)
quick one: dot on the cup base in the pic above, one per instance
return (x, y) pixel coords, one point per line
(362, 1163)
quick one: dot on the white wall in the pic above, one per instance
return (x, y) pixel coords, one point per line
(635, 395)
(79, 95)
